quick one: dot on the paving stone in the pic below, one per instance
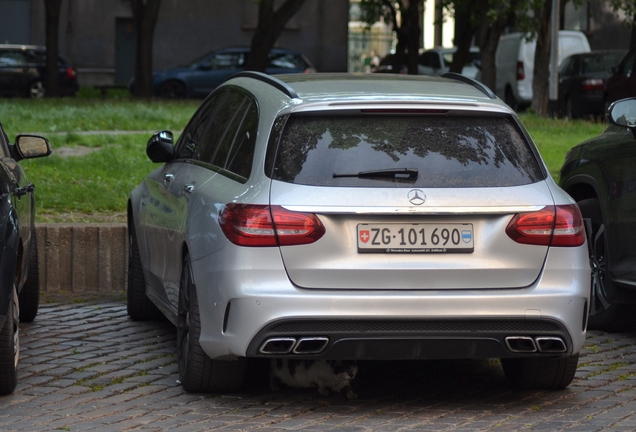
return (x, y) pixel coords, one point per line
(86, 366)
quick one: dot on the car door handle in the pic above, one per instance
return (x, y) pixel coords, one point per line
(189, 188)
(167, 178)
(24, 190)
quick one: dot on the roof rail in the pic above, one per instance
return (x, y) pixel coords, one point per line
(479, 86)
(268, 79)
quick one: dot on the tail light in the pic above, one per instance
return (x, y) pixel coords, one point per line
(560, 225)
(592, 84)
(262, 226)
(521, 74)
(71, 73)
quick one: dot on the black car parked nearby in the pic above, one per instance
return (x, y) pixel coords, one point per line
(19, 280)
(600, 174)
(582, 80)
(23, 72)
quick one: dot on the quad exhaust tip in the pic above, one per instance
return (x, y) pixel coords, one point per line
(306, 345)
(543, 344)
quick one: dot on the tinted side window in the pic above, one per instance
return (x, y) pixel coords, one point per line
(241, 153)
(285, 61)
(447, 151)
(224, 61)
(189, 144)
(12, 58)
(221, 129)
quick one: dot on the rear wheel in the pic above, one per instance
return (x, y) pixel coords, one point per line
(545, 373)
(569, 110)
(10, 347)
(37, 90)
(172, 90)
(197, 371)
(510, 99)
(139, 306)
(603, 315)
(30, 293)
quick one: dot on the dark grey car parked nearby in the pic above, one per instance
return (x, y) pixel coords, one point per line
(600, 174)
(19, 281)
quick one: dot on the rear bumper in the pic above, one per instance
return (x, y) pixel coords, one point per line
(241, 310)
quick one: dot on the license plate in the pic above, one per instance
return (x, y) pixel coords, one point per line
(416, 238)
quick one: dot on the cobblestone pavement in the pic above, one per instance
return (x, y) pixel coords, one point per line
(85, 365)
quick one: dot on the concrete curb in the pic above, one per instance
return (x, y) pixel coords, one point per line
(82, 258)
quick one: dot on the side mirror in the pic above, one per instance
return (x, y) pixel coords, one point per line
(623, 113)
(30, 146)
(160, 147)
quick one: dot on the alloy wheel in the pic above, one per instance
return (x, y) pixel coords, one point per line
(596, 245)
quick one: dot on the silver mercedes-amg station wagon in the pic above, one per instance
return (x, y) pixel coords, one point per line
(357, 217)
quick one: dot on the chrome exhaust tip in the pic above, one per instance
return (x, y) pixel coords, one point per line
(277, 346)
(312, 345)
(548, 344)
(521, 344)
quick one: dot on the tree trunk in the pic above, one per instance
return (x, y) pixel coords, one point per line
(489, 32)
(271, 24)
(464, 32)
(541, 72)
(412, 25)
(145, 14)
(52, 11)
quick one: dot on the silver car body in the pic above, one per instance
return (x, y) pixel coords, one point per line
(414, 305)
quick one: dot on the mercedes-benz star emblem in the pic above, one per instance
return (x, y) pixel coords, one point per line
(416, 197)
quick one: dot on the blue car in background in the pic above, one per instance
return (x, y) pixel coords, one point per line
(208, 72)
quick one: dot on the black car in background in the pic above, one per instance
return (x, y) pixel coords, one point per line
(582, 80)
(23, 72)
(203, 75)
(19, 280)
(600, 174)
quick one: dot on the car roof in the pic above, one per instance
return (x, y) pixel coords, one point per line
(380, 86)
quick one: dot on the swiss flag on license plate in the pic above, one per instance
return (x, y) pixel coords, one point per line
(364, 236)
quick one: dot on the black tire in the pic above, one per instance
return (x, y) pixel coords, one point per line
(603, 315)
(569, 109)
(37, 90)
(139, 306)
(172, 90)
(197, 371)
(544, 373)
(510, 99)
(10, 348)
(30, 294)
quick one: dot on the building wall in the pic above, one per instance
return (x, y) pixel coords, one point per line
(606, 30)
(187, 30)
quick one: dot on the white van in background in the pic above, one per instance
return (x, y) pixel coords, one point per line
(515, 63)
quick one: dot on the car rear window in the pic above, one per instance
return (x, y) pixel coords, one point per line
(446, 151)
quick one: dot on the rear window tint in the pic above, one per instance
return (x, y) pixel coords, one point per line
(447, 151)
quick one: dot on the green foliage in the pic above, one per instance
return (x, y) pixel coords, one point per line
(88, 114)
(554, 137)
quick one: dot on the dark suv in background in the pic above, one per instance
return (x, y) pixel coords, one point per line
(600, 174)
(23, 72)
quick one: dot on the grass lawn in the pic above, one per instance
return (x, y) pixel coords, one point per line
(94, 187)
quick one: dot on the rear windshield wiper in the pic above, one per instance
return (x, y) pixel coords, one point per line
(405, 173)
